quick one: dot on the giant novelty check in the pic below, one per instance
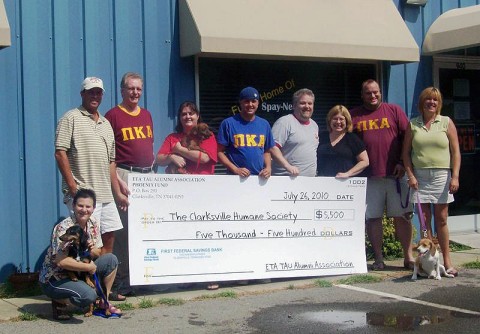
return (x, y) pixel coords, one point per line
(195, 228)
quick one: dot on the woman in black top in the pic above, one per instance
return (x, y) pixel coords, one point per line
(340, 152)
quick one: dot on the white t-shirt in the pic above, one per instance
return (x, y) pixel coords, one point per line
(298, 143)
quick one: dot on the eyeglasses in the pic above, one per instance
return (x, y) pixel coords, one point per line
(133, 89)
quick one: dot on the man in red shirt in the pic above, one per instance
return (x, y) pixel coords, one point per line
(382, 126)
(133, 130)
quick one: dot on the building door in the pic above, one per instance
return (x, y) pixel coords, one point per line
(459, 81)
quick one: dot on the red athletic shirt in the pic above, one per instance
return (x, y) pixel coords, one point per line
(382, 131)
(133, 136)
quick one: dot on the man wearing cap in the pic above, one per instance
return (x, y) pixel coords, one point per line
(296, 136)
(133, 130)
(245, 141)
(85, 154)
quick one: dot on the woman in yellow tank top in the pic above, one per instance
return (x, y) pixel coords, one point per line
(431, 155)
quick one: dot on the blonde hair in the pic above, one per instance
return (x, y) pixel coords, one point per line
(340, 110)
(429, 93)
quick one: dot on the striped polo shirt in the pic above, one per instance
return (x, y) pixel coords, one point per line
(90, 148)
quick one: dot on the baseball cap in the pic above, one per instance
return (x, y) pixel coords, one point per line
(249, 93)
(92, 82)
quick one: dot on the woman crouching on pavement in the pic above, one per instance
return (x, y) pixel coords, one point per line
(54, 278)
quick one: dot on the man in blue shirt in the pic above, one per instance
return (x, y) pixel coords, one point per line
(245, 141)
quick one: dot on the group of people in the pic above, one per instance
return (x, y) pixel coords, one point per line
(97, 153)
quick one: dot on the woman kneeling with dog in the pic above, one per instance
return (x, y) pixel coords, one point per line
(55, 276)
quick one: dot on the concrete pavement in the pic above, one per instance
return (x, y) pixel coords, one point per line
(471, 239)
(40, 305)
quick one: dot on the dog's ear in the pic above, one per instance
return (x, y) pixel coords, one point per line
(68, 237)
(73, 233)
(204, 130)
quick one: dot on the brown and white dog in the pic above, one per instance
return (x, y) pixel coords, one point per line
(192, 141)
(196, 136)
(427, 263)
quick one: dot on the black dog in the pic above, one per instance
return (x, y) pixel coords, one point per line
(76, 241)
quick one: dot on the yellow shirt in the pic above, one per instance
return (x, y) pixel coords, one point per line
(430, 147)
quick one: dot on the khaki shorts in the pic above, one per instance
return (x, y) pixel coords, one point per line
(105, 213)
(382, 194)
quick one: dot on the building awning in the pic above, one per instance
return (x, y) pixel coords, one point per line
(4, 27)
(296, 29)
(455, 29)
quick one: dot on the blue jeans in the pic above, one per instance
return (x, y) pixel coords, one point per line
(79, 293)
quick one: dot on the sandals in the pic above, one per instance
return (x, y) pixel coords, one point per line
(213, 286)
(378, 266)
(114, 311)
(452, 271)
(116, 297)
(59, 311)
(102, 313)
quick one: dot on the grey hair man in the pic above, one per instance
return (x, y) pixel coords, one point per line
(133, 129)
(296, 136)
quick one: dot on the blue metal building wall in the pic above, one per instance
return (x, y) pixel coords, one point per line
(56, 43)
(405, 82)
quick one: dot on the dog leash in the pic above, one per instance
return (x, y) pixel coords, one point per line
(421, 217)
(99, 289)
(399, 191)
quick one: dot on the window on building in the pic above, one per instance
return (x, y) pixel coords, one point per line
(220, 81)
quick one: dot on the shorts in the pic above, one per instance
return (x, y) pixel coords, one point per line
(105, 213)
(383, 195)
(433, 186)
(123, 174)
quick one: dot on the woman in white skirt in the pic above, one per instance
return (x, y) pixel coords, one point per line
(431, 155)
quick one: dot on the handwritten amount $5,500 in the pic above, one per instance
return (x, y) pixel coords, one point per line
(330, 214)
